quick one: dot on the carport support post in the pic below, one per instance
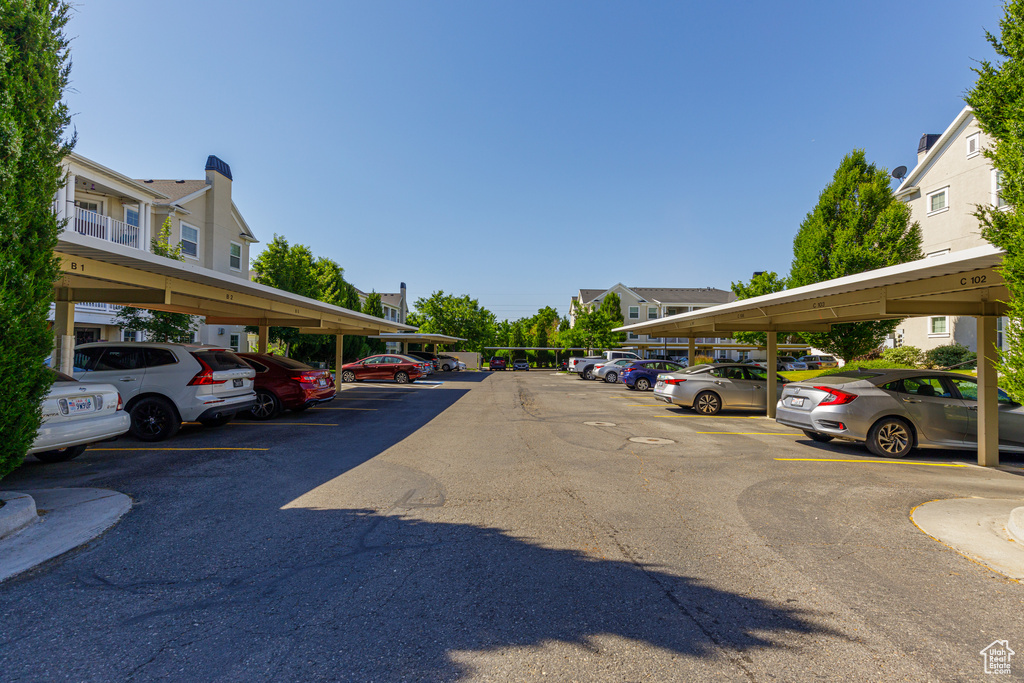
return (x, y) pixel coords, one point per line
(988, 396)
(63, 327)
(261, 345)
(691, 351)
(339, 345)
(773, 370)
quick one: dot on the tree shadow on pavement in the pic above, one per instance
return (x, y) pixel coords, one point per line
(374, 597)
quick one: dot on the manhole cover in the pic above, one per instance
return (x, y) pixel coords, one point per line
(600, 424)
(650, 440)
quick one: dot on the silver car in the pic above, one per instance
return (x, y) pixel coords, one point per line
(893, 411)
(76, 414)
(790, 363)
(709, 389)
(165, 384)
(610, 371)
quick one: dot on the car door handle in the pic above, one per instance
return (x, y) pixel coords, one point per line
(974, 408)
(127, 379)
(911, 400)
(758, 386)
(718, 383)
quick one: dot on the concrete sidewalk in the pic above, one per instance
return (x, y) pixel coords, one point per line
(39, 525)
(977, 528)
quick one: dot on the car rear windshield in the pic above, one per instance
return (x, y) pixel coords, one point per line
(221, 360)
(291, 363)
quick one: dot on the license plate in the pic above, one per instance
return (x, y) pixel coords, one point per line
(797, 402)
(236, 383)
(321, 382)
(80, 405)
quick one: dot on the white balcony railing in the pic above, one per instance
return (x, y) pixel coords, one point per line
(106, 228)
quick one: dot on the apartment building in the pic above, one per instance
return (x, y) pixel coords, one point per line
(640, 304)
(395, 307)
(952, 177)
(103, 203)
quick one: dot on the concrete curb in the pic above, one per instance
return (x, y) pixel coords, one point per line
(1015, 527)
(18, 512)
(68, 518)
(977, 529)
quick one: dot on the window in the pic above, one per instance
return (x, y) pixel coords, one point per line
(938, 201)
(234, 341)
(1000, 336)
(156, 357)
(939, 326)
(129, 335)
(926, 386)
(235, 257)
(95, 207)
(634, 336)
(131, 216)
(997, 189)
(189, 241)
(634, 312)
(652, 312)
(973, 145)
(118, 358)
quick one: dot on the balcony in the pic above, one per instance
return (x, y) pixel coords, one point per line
(93, 224)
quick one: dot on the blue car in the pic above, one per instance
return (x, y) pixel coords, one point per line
(642, 374)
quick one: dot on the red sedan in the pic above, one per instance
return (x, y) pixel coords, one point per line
(384, 366)
(282, 383)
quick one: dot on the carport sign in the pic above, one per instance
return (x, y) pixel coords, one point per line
(997, 657)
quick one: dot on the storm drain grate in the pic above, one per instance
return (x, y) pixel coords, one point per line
(650, 440)
(600, 424)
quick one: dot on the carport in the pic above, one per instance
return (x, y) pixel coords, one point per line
(963, 283)
(94, 270)
(406, 338)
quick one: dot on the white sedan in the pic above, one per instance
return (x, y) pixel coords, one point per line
(76, 414)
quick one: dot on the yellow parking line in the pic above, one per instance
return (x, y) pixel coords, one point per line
(177, 449)
(874, 462)
(751, 433)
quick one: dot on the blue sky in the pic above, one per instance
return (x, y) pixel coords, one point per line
(520, 151)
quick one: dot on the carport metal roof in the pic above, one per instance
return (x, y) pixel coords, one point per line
(418, 337)
(960, 283)
(964, 283)
(95, 270)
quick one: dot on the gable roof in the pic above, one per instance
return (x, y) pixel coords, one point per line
(910, 183)
(667, 295)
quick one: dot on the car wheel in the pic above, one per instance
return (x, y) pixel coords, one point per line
(154, 419)
(642, 384)
(588, 373)
(401, 378)
(267, 406)
(818, 436)
(707, 403)
(611, 378)
(61, 454)
(890, 437)
(216, 421)
(348, 376)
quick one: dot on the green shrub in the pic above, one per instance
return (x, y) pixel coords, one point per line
(950, 355)
(867, 365)
(904, 355)
(34, 67)
(703, 360)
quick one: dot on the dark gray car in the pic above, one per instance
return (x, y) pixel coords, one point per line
(894, 411)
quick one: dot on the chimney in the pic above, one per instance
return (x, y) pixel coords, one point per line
(218, 207)
(404, 307)
(928, 141)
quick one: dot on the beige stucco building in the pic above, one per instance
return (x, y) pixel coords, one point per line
(952, 177)
(103, 203)
(639, 304)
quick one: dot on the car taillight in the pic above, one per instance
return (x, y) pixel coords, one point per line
(205, 376)
(669, 380)
(835, 397)
(309, 377)
(120, 403)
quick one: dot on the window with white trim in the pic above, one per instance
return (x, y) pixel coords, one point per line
(235, 256)
(634, 336)
(652, 312)
(938, 326)
(1001, 333)
(634, 312)
(997, 188)
(189, 241)
(973, 145)
(234, 340)
(131, 216)
(938, 201)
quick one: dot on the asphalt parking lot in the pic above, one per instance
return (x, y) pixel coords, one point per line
(510, 526)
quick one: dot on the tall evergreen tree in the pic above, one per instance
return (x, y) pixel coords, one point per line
(998, 102)
(34, 70)
(857, 225)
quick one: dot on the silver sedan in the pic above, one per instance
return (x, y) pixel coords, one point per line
(893, 411)
(709, 389)
(610, 371)
(76, 414)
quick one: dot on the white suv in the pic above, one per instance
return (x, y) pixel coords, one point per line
(164, 384)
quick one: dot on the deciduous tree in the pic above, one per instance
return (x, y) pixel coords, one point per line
(767, 282)
(857, 225)
(457, 316)
(998, 102)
